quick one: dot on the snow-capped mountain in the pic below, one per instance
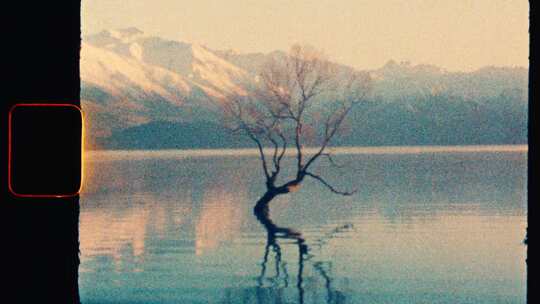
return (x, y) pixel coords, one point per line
(193, 64)
(398, 80)
(130, 79)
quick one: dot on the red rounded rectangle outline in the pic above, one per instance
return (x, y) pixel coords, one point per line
(10, 135)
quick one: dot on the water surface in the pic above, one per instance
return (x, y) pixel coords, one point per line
(435, 225)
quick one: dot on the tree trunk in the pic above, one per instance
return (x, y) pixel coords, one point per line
(262, 203)
(262, 212)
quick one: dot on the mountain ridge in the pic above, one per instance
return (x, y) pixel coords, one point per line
(130, 79)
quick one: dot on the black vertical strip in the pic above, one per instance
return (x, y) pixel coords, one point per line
(39, 238)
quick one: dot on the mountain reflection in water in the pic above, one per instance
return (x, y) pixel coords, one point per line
(439, 227)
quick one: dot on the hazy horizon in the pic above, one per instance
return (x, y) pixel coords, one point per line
(456, 36)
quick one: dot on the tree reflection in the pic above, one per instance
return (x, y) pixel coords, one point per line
(273, 233)
(277, 289)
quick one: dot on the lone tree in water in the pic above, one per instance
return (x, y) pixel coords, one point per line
(299, 100)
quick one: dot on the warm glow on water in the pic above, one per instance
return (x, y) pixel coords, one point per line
(219, 220)
(444, 226)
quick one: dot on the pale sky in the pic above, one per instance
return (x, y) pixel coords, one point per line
(454, 34)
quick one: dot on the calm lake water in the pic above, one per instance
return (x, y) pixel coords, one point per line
(426, 226)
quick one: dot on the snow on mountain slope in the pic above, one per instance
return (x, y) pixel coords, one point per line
(195, 69)
(397, 80)
(119, 75)
(129, 79)
(201, 68)
(119, 92)
(217, 72)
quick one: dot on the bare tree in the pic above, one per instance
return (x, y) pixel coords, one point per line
(299, 101)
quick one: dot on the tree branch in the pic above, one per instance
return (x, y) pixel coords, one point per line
(332, 161)
(329, 134)
(261, 153)
(320, 179)
(283, 147)
(243, 125)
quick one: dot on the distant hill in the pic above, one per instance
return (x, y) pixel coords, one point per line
(438, 121)
(173, 135)
(145, 92)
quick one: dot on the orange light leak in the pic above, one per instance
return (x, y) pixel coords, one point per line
(10, 156)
